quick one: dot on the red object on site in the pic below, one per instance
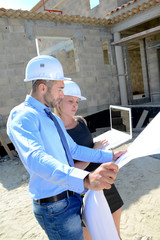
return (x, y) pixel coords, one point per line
(50, 10)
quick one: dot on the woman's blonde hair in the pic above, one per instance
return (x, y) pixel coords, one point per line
(57, 110)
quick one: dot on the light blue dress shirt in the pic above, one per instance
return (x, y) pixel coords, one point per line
(38, 144)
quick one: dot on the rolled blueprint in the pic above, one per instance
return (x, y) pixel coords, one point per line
(97, 216)
(147, 143)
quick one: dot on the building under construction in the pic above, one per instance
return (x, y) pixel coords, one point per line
(111, 50)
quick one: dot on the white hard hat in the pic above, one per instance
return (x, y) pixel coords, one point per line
(72, 89)
(44, 67)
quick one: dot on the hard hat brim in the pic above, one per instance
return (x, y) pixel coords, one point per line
(82, 98)
(76, 95)
(47, 79)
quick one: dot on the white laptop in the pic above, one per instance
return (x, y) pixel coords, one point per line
(121, 127)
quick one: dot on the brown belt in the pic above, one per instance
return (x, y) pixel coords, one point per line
(55, 198)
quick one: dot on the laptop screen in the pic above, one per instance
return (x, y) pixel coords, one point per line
(120, 119)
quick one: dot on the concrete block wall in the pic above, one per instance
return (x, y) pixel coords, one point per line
(15, 50)
(95, 76)
(67, 59)
(17, 47)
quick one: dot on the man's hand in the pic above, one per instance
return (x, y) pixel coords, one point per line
(102, 177)
(117, 154)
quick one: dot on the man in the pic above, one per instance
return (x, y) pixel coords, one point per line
(40, 140)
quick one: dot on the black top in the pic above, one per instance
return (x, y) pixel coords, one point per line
(82, 136)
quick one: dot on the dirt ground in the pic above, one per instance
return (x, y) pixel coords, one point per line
(138, 183)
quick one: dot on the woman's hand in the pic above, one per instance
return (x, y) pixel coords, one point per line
(117, 154)
(100, 144)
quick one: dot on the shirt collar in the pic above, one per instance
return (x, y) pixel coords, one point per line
(35, 103)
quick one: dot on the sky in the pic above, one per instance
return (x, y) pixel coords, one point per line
(18, 4)
(28, 4)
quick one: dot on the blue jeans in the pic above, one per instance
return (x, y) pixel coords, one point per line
(61, 220)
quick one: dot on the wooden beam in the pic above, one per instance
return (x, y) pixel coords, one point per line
(142, 119)
(6, 147)
(138, 36)
(58, 5)
(136, 20)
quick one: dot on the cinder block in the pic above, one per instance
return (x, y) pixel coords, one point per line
(4, 28)
(17, 29)
(3, 21)
(16, 21)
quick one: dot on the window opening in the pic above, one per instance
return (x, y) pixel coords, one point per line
(94, 3)
(60, 48)
(136, 71)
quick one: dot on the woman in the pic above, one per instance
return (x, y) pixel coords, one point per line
(76, 127)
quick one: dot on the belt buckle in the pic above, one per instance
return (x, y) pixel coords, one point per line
(70, 193)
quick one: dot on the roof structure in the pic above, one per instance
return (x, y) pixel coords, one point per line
(129, 9)
(10, 13)
(115, 16)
